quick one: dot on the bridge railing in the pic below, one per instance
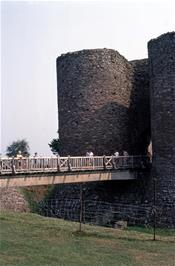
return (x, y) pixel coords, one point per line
(61, 164)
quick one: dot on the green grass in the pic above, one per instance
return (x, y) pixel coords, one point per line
(30, 239)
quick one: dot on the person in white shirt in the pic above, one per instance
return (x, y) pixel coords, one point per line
(19, 155)
(19, 161)
(116, 154)
(116, 159)
(91, 155)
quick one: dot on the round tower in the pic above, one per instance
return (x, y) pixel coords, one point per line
(162, 79)
(94, 89)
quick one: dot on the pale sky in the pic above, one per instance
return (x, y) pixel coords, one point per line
(34, 34)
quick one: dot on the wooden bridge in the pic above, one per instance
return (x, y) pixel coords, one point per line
(30, 171)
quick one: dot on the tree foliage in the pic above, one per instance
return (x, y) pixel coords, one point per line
(55, 146)
(16, 146)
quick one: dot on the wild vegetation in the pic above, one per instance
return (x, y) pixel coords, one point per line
(55, 146)
(15, 147)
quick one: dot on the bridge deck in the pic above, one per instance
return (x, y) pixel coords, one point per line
(36, 179)
(45, 171)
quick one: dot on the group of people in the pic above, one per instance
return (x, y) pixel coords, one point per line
(125, 153)
(116, 154)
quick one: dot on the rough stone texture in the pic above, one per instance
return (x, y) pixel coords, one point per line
(162, 78)
(128, 201)
(12, 199)
(139, 111)
(104, 105)
(102, 99)
(94, 88)
(22, 199)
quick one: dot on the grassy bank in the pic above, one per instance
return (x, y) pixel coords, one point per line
(29, 239)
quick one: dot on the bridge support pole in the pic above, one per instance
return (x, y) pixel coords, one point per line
(154, 209)
(81, 207)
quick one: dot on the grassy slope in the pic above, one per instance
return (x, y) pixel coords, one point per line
(29, 239)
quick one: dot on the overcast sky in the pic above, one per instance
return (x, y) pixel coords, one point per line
(34, 34)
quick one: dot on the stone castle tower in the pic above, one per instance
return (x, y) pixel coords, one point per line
(161, 53)
(107, 103)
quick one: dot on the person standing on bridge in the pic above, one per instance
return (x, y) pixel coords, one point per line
(19, 155)
(125, 153)
(87, 160)
(91, 155)
(116, 154)
(150, 151)
(125, 159)
(35, 159)
(19, 160)
(87, 154)
(116, 159)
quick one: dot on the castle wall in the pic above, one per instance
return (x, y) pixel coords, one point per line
(94, 111)
(162, 79)
(102, 99)
(140, 107)
(94, 88)
(104, 105)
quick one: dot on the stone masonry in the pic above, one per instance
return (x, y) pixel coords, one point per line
(94, 88)
(104, 104)
(140, 133)
(162, 80)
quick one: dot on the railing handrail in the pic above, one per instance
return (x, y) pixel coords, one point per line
(69, 163)
(55, 157)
